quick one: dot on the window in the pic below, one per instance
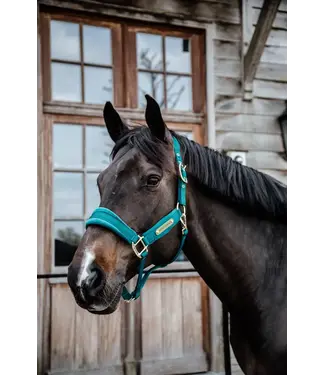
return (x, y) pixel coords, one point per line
(164, 70)
(81, 62)
(80, 153)
(89, 62)
(86, 62)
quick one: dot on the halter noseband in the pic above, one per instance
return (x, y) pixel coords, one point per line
(140, 243)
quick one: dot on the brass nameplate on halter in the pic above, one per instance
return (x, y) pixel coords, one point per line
(164, 226)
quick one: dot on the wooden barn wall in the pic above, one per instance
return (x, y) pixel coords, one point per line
(252, 126)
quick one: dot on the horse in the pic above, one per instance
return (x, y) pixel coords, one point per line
(235, 228)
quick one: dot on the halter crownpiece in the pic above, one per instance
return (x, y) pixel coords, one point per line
(140, 243)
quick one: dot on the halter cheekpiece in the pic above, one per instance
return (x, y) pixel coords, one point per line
(140, 243)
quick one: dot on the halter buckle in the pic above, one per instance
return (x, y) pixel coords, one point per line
(181, 168)
(183, 217)
(134, 247)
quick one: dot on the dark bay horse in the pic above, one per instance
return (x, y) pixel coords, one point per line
(236, 220)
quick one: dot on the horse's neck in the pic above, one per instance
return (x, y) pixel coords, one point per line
(231, 252)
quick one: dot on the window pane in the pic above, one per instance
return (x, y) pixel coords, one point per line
(149, 51)
(67, 146)
(67, 195)
(98, 85)
(93, 197)
(65, 41)
(67, 236)
(98, 147)
(66, 82)
(178, 59)
(97, 46)
(152, 84)
(179, 93)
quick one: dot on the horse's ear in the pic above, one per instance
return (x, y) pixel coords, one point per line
(114, 124)
(154, 119)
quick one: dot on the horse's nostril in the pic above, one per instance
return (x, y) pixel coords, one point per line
(94, 283)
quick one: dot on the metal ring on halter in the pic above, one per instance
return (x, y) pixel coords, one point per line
(182, 167)
(134, 247)
(183, 217)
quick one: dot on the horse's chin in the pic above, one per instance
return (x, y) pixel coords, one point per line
(107, 311)
(108, 301)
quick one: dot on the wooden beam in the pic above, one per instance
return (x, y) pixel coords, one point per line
(256, 46)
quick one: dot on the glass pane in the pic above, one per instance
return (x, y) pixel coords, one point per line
(97, 46)
(67, 146)
(67, 195)
(65, 41)
(67, 236)
(66, 82)
(152, 84)
(149, 51)
(98, 147)
(93, 197)
(178, 57)
(179, 93)
(188, 135)
(98, 85)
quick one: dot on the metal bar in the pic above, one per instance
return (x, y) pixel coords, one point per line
(57, 275)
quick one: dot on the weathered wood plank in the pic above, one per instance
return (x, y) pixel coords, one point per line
(171, 294)
(62, 328)
(265, 160)
(248, 123)
(86, 344)
(224, 67)
(248, 141)
(259, 38)
(273, 54)
(153, 10)
(192, 316)
(151, 308)
(280, 20)
(227, 105)
(231, 50)
(228, 32)
(272, 72)
(232, 33)
(109, 338)
(270, 90)
(278, 175)
(227, 86)
(224, 49)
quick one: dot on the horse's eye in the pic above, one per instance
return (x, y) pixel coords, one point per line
(153, 180)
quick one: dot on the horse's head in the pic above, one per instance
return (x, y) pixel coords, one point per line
(140, 186)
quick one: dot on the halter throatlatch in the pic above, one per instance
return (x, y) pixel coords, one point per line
(140, 243)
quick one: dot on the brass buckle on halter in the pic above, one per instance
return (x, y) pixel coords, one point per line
(134, 247)
(181, 168)
(183, 217)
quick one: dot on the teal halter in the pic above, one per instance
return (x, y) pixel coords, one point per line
(108, 219)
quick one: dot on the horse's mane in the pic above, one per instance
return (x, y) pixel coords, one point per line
(251, 190)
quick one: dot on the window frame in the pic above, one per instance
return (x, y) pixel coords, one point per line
(116, 41)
